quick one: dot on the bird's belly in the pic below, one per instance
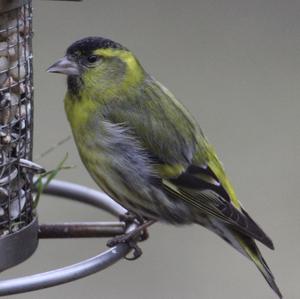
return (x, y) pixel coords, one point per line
(116, 171)
(108, 178)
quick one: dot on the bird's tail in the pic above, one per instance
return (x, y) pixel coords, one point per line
(244, 245)
(254, 254)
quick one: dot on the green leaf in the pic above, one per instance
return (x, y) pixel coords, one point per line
(44, 179)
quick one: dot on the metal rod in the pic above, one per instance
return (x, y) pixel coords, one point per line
(63, 275)
(81, 230)
(83, 268)
(85, 195)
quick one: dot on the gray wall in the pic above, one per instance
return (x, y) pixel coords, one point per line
(235, 65)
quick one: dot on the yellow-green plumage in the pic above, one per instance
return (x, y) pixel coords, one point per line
(145, 150)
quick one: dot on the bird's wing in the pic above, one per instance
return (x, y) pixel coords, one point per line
(186, 163)
(199, 187)
(160, 124)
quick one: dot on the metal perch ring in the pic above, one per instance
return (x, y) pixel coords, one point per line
(86, 267)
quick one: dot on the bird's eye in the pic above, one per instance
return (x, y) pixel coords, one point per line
(92, 58)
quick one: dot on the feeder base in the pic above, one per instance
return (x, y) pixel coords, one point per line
(19, 246)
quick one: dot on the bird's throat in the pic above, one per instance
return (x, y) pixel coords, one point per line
(74, 84)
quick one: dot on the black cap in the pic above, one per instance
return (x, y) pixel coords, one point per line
(87, 45)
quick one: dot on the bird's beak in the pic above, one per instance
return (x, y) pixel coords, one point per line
(64, 66)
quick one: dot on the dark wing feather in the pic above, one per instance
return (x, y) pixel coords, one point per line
(200, 188)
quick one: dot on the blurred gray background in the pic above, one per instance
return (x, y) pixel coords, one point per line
(235, 65)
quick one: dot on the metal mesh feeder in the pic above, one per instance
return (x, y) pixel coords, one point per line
(18, 225)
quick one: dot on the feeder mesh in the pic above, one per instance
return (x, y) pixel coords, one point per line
(16, 118)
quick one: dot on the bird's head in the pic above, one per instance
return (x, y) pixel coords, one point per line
(98, 64)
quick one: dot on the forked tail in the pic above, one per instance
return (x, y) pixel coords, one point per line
(244, 245)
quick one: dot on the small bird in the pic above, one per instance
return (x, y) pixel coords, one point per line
(145, 150)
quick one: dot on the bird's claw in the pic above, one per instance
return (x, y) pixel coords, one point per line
(137, 251)
(130, 241)
(130, 218)
(127, 218)
(131, 238)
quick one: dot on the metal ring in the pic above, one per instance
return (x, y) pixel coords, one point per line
(84, 268)
(85, 195)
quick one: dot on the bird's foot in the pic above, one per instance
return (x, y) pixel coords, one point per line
(140, 233)
(130, 241)
(130, 218)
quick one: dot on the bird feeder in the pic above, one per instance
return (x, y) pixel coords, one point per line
(18, 224)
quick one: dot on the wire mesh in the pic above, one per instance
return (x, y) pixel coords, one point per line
(16, 118)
